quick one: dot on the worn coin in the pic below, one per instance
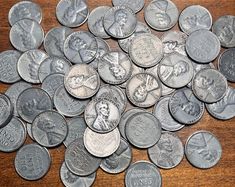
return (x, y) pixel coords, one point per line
(143, 173)
(135, 5)
(79, 161)
(161, 14)
(115, 67)
(32, 161)
(72, 13)
(203, 149)
(143, 89)
(101, 145)
(168, 152)
(29, 130)
(118, 161)
(143, 130)
(6, 110)
(146, 50)
(209, 85)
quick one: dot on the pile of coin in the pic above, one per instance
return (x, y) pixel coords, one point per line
(85, 87)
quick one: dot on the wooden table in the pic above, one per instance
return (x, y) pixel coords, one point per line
(223, 174)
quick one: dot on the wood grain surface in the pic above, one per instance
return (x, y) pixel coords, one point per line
(223, 174)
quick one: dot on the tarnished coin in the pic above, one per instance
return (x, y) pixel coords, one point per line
(76, 129)
(79, 161)
(227, 64)
(224, 29)
(162, 113)
(120, 22)
(102, 145)
(95, 21)
(168, 152)
(54, 40)
(144, 174)
(203, 149)
(68, 105)
(12, 136)
(71, 180)
(82, 81)
(118, 161)
(175, 70)
(102, 115)
(29, 130)
(72, 13)
(6, 110)
(24, 9)
(80, 47)
(32, 162)
(143, 130)
(146, 50)
(203, 46)
(225, 108)
(32, 102)
(161, 14)
(28, 65)
(8, 66)
(115, 67)
(26, 34)
(143, 89)
(209, 85)
(135, 5)
(195, 17)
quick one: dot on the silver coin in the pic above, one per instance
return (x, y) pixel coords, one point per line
(82, 81)
(143, 130)
(224, 108)
(76, 129)
(203, 46)
(209, 85)
(144, 90)
(224, 29)
(115, 67)
(72, 13)
(32, 102)
(79, 161)
(54, 40)
(102, 115)
(146, 50)
(195, 17)
(68, 105)
(28, 65)
(24, 9)
(175, 70)
(120, 22)
(26, 34)
(14, 91)
(162, 113)
(8, 66)
(95, 21)
(6, 110)
(227, 64)
(161, 14)
(12, 136)
(118, 161)
(80, 47)
(203, 149)
(71, 180)
(140, 29)
(143, 173)
(101, 145)
(29, 130)
(135, 5)
(168, 152)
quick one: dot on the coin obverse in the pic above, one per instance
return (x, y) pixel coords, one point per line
(6, 110)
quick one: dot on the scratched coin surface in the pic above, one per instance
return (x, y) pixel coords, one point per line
(168, 152)
(32, 162)
(135, 5)
(6, 110)
(203, 149)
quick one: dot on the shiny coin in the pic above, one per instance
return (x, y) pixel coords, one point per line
(161, 14)
(101, 145)
(143, 130)
(6, 110)
(203, 149)
(209, 85)
(118, 161)
(168, 152)
(135, 5)
(29, 130)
